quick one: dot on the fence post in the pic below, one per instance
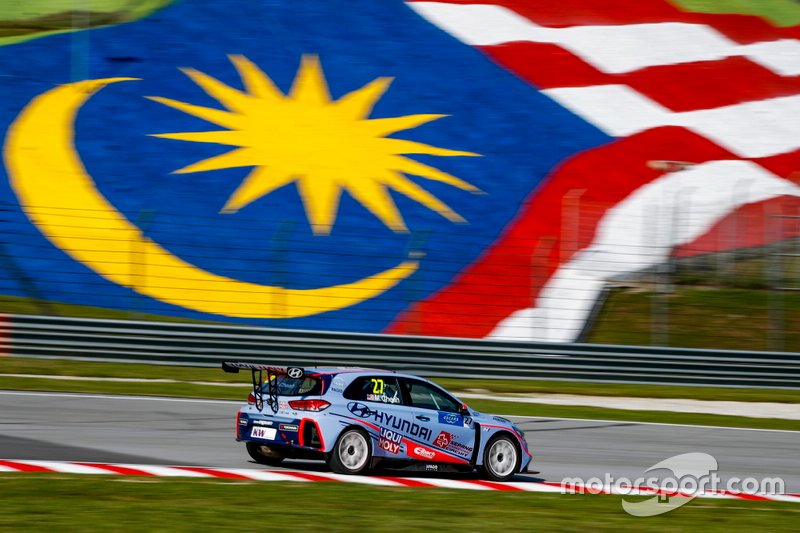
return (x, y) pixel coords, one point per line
(774, 238)
(413, 284)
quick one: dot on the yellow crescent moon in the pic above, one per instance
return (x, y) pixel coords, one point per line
(61, 199)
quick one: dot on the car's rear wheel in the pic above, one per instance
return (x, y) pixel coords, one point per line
(265, 454)
(352, 453)
(500, 459)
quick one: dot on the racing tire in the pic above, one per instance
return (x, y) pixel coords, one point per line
(501, 459)
(352, 453)
(265, 454)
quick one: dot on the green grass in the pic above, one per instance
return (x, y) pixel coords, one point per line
(45, 502)
(31, 306)
(21, 20)
(723, 319)
(778, 12)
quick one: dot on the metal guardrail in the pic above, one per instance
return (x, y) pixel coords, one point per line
(208, 345)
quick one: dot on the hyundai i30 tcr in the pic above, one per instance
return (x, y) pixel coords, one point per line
(355, 419)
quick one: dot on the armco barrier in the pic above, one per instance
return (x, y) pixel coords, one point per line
(207, 345)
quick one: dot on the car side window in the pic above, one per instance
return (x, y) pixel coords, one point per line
(382, 389)
(425, 396)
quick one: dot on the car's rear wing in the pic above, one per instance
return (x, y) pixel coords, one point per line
(291, 371)
(257, 371)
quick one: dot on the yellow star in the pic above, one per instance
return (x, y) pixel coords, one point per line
(325, 146)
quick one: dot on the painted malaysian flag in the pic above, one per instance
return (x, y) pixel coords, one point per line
(705, 109)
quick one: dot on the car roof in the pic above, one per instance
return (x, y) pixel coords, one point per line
(353, 370)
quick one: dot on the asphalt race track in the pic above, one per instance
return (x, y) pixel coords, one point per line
(103, 428)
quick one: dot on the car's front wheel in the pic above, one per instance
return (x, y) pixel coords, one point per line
(500, 459)
(352, 453)
(265, 454)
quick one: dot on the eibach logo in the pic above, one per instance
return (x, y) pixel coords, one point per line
(422, 452)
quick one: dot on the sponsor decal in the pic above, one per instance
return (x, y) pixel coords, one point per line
(242, 421)
(283, 406)
(294, 372)
(459, 449)
(432, 468)
(390, 441)
(447, 441)
(288, 427)
(262, 422)
(501, 420)
(337, 385)
(425, 454)
(383, 398)
(389, 446)
(390, 435)
(390, 421)
(443, 439)
(452, 419)
(359, 409)
(263, 433)
(401, 425)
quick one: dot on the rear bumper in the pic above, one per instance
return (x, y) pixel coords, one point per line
(300, 433)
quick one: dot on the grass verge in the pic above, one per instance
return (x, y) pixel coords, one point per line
(57, 367)
(47, 502)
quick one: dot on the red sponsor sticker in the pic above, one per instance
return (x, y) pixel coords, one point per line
(443, 439)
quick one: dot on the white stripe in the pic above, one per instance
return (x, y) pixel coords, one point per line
(260, 475)
(752, 129)
(7, 469)
(366, 480)
(126, 380)
(449, 483)
(66, 468)
(78, 395)
(639, 233)
(635, 422)
(534, 487)
(166, 471)
(609, 48)
(782, 56)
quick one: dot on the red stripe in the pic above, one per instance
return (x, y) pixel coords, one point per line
(24, 467)
(212, 472)
(751, 225)
(681, 87)
(407, 482)
(123, 470)
(492, 485)
(307, 477)
(555, 222)
(565, 13)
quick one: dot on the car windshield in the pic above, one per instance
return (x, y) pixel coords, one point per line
(287, 386)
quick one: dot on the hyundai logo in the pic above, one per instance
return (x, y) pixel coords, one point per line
(359, 409)
(295, 372)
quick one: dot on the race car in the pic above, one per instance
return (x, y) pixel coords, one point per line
(357, 419)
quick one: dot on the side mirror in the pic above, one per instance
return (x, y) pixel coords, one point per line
(464, 410)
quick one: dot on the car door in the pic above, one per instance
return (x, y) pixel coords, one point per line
(452, 436)
(378, 400)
